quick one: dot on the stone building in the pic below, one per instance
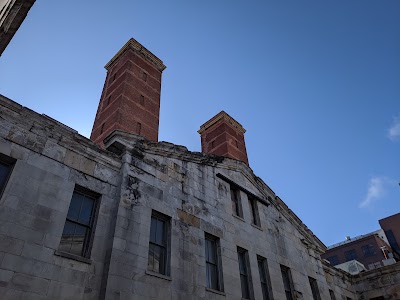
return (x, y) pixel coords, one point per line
(123, 216)
(12, 14)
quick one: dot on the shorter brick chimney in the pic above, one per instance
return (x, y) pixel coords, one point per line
(224, 136)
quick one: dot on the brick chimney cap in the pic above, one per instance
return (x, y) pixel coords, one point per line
(222, 116)
(135, 45)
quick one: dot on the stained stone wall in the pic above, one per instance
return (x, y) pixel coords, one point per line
(383, 282)
(50, 160)
(134, 179)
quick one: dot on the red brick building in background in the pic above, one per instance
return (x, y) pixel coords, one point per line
(373, 250)
(391, 226)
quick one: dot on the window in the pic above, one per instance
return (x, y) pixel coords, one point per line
(6, 165)
(158, 260)
(244, 270)
(213, 263)
(139, 128)
(332, 294)
(141, 99)
(350, 255)
(368, 250)
(102, 128)
(115, 75)
(236, 205)
(108, 100)
(314, 288)
(287, 282)
(334, 260)
(78, 230)
(392, 241)
(255, 217)
(264, 278)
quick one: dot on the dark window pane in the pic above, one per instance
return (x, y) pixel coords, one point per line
(244, 273)
(287, 282)
(392, 241)
(4, 172)
(350, 255)
(86, 210)
(77, 228)
(160, 232)
(289, 295)
(261, 270)
(153, 228)
(157, 254)
(157, 259)
(235, 202)
(212, 251)
(245, 287)
(212, 276)
(78, 240)
(242, 263)
(314, 288)
(368, 250)
(75, 207)
(151, 257)
(212, 271)
(264, 278)
(334, 260)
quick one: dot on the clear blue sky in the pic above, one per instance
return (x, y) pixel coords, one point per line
(315, 83)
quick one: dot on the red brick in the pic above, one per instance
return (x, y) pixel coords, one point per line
(124, 110)
(223, 136)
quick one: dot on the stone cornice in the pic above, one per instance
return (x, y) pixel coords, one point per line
(222, 116)
(135, 45)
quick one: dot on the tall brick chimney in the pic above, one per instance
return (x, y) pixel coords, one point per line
(222, 135)
(130, 100)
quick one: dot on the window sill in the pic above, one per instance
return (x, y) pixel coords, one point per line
(73, 256)
(215, 292)
(239, 218)
(165, 277)
(256, 226)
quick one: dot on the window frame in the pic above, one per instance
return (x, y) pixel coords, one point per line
(243, 260)
(368, 250)
(88, 240)
(255, 215)
(217, 264)
(332, 294)
(314, 288)
(266, 286)
(392, 240)
(334, 260)
(353, 257)
(236, 202)
(167, 239)
(9, 162)
(287, 274)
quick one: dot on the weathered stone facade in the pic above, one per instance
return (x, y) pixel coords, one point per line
(163, 223)
(136, 177)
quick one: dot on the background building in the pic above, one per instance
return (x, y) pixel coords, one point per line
(372, 250)
(12, 14)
